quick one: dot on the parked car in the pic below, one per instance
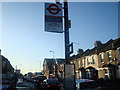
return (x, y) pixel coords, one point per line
(38, 80)
(32, 79)
(87, 84)
(52, 84)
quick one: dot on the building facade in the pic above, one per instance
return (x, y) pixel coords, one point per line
(103, 61)
(51, 67)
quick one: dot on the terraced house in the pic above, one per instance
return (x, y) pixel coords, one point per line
(103, 61)
(51, 67)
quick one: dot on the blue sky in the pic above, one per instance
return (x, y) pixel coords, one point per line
(26, 44)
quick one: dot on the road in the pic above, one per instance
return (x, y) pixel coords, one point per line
(24, 85)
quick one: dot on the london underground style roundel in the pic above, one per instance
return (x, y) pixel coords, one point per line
(53, 9)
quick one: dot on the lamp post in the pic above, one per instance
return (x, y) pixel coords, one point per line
(55, 64)
(53, 53)
(20, 67)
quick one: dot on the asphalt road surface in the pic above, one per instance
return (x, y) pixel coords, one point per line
(24, 85)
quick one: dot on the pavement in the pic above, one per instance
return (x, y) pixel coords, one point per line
(3, 86)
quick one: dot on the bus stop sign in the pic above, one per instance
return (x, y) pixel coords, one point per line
(53, 18)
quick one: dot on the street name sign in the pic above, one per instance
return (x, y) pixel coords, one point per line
(53, 18)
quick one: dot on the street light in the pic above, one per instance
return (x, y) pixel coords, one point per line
(20, 66)
(55, 64)
(53, 53)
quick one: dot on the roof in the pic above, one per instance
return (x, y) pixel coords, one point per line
(106, 46)
(110, 45)
(101, 48)
(8, 66)
(50, 62)
(90, 67)
(84, 53)
(60, 60)
(109, 65)
(82, 68)
(116, 43)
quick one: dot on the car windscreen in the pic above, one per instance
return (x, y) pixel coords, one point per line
(52, 81)
(87, 85)
(41, 77)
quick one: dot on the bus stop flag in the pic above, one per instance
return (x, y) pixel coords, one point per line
(53, 18)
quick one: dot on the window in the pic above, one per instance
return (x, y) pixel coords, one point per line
(106, 71)
(111, 70)
(79, 63)
(88, 62)
(119, 54)
(3, 64)
(112, 73)
(109, 56)
(102, 58)
(74, 62)
(93, 60)
(106, 76)
(82, 62)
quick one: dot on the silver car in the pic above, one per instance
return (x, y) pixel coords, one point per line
(86, 84)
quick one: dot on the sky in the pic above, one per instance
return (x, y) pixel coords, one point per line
(26, 44)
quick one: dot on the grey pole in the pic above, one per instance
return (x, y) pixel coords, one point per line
(119, 19)
(66, 32)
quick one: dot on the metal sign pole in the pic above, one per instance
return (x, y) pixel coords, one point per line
(66, 32)
(119, 19)
(69, 70)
